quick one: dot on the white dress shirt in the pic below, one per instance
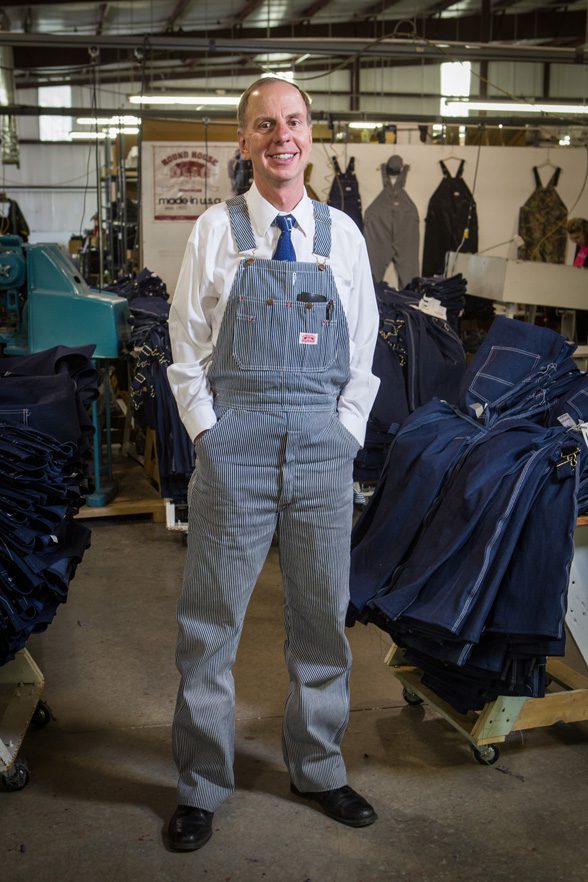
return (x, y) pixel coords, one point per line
(204, 284)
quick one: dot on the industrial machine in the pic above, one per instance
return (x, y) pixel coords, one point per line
(44, 302)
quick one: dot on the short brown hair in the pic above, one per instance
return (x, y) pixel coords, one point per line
(262, 81)
(578, 225)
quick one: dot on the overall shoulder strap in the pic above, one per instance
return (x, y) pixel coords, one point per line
(322, 229)
(401, 177)
(241, 224)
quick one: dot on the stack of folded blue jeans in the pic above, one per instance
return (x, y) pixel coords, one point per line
(417, 356)
(144, 284)
(52, 391)
(45, 433)
(450, 291)
(450, 556)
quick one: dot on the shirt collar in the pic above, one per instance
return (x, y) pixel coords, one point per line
(263, 213)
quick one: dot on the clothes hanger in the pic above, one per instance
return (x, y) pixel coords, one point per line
(453, 156)
(547, 162)
(394, 165)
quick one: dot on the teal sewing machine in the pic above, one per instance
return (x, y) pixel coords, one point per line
(44, 302)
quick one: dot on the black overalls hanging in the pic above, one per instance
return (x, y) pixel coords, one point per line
(344, 192)
(451, 211)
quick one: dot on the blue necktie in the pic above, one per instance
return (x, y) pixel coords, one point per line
(285, 249)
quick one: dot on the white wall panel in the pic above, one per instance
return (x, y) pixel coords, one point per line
(54, 214)
(569, 81)
(519, 79)
(504, 181)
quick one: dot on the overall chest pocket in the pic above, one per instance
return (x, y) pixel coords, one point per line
(285, 335)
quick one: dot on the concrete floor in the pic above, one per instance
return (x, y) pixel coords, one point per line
(102, 778)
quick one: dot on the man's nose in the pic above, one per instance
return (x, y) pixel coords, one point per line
(282, 131)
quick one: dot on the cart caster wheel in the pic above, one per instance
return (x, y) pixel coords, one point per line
(17, 777)
(42, 715)
(411, 697)
(486, 755)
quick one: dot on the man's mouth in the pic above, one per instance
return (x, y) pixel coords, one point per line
(282, 155)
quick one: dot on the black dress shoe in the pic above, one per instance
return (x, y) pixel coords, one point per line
(190, 828)
(342, 804)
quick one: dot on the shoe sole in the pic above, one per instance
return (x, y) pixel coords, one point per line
(178, 846)
(363, 822)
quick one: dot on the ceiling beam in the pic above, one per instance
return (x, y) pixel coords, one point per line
(250, 7)
(179, 10)
(102, 13)
(37, 51)
(210, 115)
(437, 8)
(544, 26)
(27, 21)
(311, 10)
(375, 10)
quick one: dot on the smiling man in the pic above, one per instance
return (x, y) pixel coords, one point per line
(273, 326)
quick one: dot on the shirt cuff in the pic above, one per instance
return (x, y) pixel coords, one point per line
(199, 419)
(353, 424)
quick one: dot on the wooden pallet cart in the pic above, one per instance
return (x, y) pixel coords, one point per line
(21, 686)
(486, 728)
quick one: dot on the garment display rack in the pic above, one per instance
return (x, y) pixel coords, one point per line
(21, 686)
(486, 728)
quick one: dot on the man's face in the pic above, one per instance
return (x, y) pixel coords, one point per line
(277, 136)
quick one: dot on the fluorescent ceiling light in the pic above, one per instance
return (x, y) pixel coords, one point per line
(366, 125)
(112, 133)
(286, 74)
(87, 136)
(123, 130)
(511, 107)
(207, 100)
(108, 121)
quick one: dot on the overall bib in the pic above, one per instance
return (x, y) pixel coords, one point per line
(277, 458)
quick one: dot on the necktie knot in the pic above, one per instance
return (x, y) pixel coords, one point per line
(285, 248)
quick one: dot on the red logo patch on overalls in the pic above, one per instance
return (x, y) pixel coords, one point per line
(308, 339)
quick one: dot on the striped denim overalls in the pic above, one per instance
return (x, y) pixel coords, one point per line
(277, 458)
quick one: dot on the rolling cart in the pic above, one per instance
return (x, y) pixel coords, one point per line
(21, 686)
(487, 728)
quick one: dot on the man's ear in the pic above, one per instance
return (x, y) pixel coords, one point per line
(242, 144)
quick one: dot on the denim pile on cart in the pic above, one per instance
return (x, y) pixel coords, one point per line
(52, 391)
(463, 553)
(45, 446)
(150, 392)
(144, 284)
(417, 356)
